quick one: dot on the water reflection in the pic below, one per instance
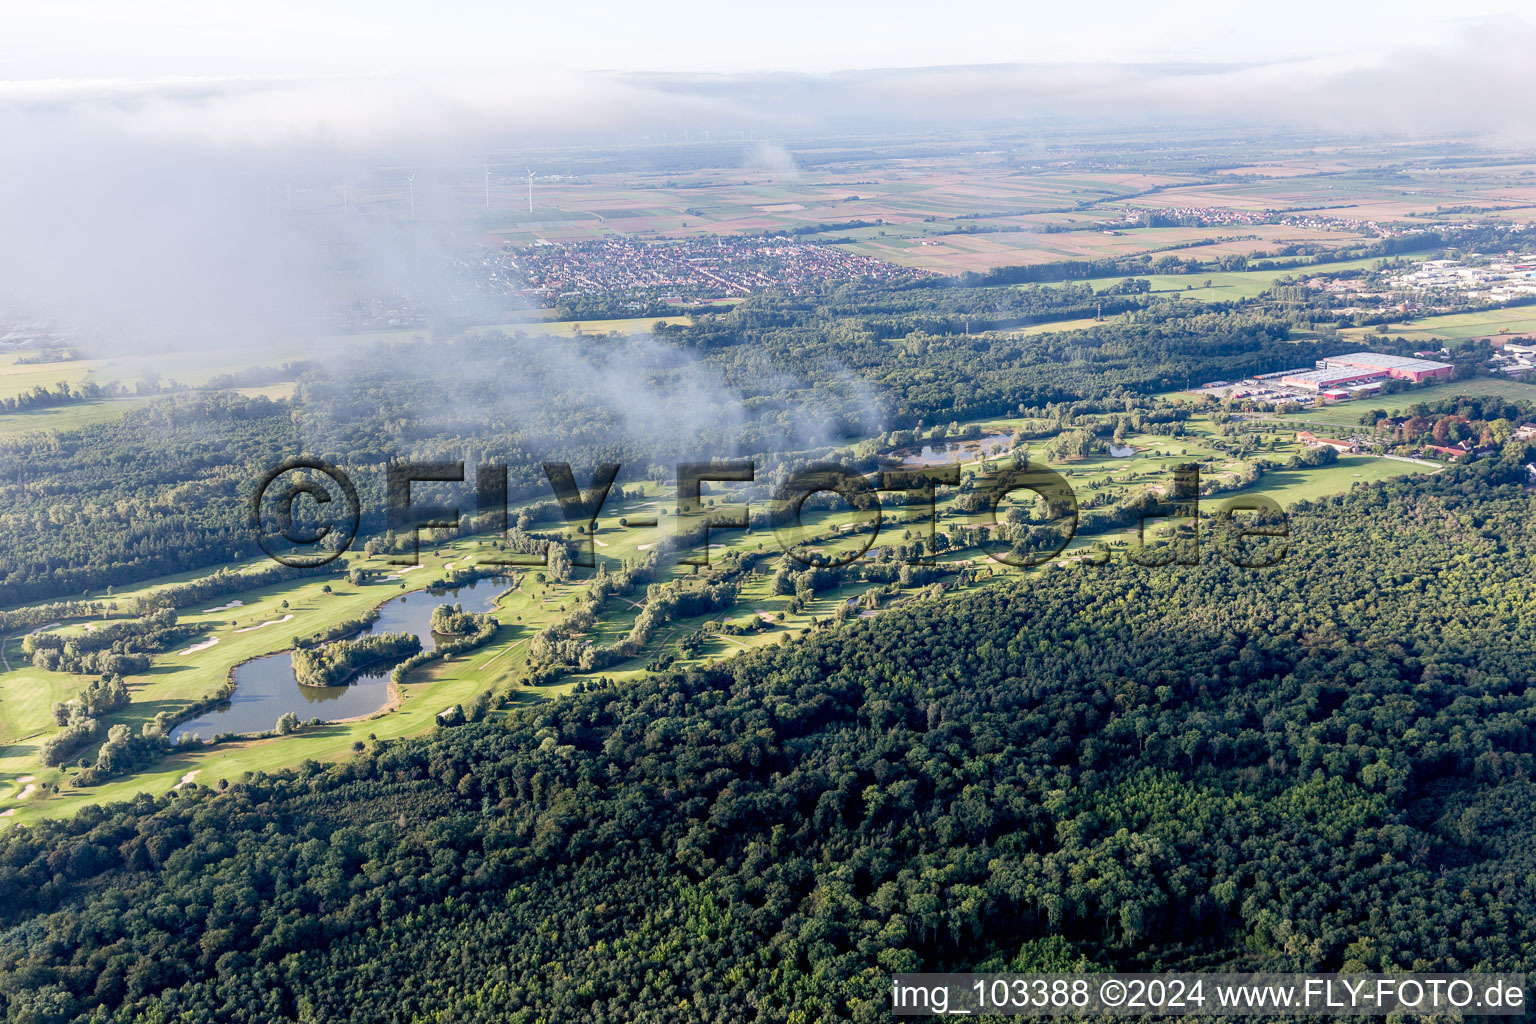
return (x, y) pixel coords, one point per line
(265, 688)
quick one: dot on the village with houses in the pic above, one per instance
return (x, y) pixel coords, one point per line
(704, 267)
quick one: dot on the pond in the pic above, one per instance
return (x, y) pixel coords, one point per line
(265, 688)
(945, 453)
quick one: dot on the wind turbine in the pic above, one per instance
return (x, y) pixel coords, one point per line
(487, 186)
(410, 183)
(530, 190)
(345, 206)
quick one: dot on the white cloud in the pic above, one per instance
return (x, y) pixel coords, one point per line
(142, 202)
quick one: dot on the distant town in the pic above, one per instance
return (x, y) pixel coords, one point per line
(642, 276)
(691, 268)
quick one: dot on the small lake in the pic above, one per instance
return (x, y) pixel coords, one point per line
(265, 688)
(945, 453)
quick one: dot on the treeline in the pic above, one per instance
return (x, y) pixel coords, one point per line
(161, 490)
(119, 648)
(338, 630)
(335, 664)
(101, 697)
(453, 620)
(41, 396)
(78, 730)
(48, 355)
(260, 376)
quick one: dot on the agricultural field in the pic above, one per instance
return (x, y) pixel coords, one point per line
(914, 207)
(552, 328)
(18, 378)
(959, 253)
(1339, 193)
(1454, 326)
(67, 417)
(196, 371)
(1226, 286)
(192, 369)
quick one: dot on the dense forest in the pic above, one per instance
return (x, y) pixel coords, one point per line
(1323, 764)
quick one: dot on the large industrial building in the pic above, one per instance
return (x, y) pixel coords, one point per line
(1335, 379)
(1348, 372)
(1330, 378)
(1400, 367)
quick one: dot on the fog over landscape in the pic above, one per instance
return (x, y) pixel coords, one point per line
(152, 205)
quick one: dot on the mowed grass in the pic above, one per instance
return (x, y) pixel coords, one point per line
(1453, 326)
(1394, 404)
(1290, 486)
(177, 679)
(26, 695)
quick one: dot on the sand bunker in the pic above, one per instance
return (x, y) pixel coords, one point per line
(199, 647)
(264, 625)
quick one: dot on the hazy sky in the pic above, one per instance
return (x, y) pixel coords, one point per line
(74, 39)
(151, 145)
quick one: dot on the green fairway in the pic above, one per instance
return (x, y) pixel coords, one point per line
(1289, 486)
